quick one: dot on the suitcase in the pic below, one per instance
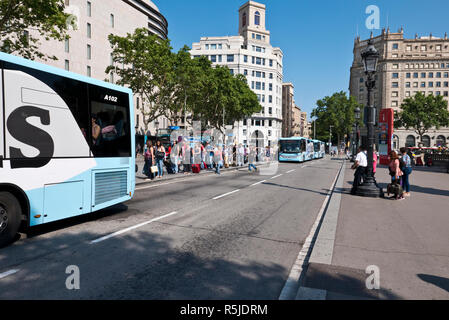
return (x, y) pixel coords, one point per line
(169, 168)
(395, 189)
(196, 168)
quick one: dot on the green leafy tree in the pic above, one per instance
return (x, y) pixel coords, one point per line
(337, 111)
(422, 113)
(20, 20)
(224, 98)
(144, 62)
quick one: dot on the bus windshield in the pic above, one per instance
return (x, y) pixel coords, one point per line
(292, 146)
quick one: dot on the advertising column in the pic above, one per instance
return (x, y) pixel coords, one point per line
(386, 128)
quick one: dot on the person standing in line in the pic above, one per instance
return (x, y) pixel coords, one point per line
(218, 159)
(187, 158)
(149, 160)
(407, 170)
(160, 157)
(240, 155)
(252, 158)
(174, 157)
(395, 171)
(360, 165)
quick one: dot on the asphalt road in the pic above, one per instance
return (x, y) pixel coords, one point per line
(192, 238)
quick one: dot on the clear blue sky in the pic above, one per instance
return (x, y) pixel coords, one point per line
(316, 36)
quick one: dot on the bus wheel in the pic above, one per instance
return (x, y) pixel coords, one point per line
(10, 214)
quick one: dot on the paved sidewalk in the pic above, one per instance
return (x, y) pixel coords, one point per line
(407, 240)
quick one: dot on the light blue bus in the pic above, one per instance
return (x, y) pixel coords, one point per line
(317, 146)
(292, 149)
(310, 151)
(67, 146)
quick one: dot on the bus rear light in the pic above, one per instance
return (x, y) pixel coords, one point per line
(37, 216)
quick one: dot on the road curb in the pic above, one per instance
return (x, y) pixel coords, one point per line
(299, 268)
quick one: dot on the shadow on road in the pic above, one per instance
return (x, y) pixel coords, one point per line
(139, 265)
(441, 282)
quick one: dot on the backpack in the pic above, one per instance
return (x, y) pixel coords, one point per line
(401, 164)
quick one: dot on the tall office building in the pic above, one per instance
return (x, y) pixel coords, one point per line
(88, 51)
(406, 66)
(250, 53)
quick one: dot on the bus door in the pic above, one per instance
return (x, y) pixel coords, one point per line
(2, 133)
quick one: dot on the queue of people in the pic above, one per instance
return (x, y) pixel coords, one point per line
(187, 158)
(400, 168)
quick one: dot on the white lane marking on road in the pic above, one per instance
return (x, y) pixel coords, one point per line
(291, 286)
(8, 273)
(291, 171)
(257, 183)
(132, 228)
(280, 175)
(226, 194)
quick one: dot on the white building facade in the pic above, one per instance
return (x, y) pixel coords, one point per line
(251, 54)
(88, 51)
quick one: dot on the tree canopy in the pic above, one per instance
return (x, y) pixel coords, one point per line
(337, 111)
(173, 83)
(422, 112)
(19, 17)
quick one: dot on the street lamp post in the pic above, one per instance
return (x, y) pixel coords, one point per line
(355, 145)
(330, 138)
(370, 57)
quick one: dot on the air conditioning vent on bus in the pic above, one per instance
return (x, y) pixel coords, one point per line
(110, 186)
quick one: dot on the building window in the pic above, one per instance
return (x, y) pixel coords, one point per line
(395, 75)
(244, 19)
(89, 71)
(415, 75)
(89, 9)
(438, 84)
(407, 84)
(67, 65)
(257, 18)
(230, 58)
(423, 75)
(395, 85)
(394, 93)
(431, 84)
(245, 72)
(423, 84)
(395, 46)
(395, 66)
(213, 46)
(67, 45)
(232, 71)
(410, 142)
(213, 58)
(245, 58)
(89, 30)
(219, 58)
(423, 48)
(112, 21)
(89, 52)
(426, 141)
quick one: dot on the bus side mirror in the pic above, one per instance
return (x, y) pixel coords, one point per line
(137, 168)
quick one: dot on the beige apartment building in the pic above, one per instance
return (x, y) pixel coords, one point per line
(88, 51)
(406, 66)
(250, 53)
(288, 104)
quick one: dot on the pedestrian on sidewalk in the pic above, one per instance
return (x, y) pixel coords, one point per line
(218, 159)
(160, 157)
(252, 158)
(240, 155)
(149, 160)
(174, 157)
(186, 157)
(360, 166)
(395, 172)
(407, 170)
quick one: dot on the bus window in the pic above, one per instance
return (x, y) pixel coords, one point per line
(47, 114)
(110, 116)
